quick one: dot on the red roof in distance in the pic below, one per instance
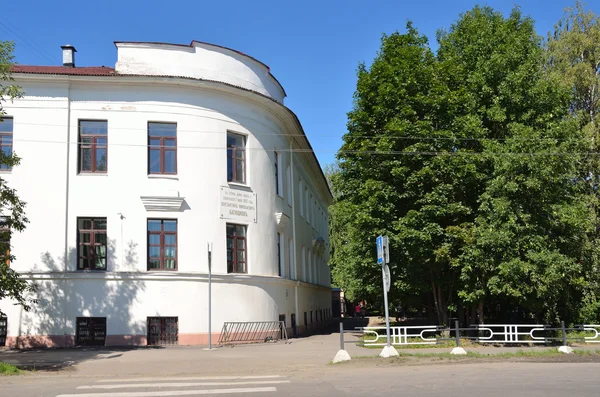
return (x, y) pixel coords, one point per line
(63, 70)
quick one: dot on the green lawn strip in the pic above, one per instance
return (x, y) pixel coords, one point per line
(444, 344)
(403, 356)
(9, 369)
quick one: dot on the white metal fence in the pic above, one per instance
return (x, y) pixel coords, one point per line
(488, 334)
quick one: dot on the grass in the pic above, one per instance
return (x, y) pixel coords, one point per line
(445, 344)
(403, 356)
(9, 369)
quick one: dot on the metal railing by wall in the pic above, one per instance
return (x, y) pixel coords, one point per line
(253, 332)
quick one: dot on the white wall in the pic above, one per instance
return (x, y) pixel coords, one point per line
(199, 60)
(127, 293)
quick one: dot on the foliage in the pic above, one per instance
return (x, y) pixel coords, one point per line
(470, 160)
(8, 369)
(12, 286)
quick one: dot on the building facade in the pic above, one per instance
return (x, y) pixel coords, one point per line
(132, 175)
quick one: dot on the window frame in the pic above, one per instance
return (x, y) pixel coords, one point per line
(301, 188)
(93, 146)
(235, 249)
(278, 175)
(281, 254)
(293, 275)
(162, 244)
(162, 148)
(91, 257)
(234, 160)
(7, 167)
(5, 228)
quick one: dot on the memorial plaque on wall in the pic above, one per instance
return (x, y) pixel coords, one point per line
(238, 204)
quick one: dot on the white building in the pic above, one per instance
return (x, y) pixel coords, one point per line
(129, 173)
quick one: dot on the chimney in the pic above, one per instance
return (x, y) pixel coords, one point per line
(68, 55)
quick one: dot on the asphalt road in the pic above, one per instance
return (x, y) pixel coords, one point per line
(454, 379)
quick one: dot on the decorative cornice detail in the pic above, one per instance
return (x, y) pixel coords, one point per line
(282, 220)
(163, 203)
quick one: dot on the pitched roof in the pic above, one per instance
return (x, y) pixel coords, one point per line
(62, 70)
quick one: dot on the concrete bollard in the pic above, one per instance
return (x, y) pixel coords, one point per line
(388, 351)
(342, 354)
(564, 348)
(459, 351)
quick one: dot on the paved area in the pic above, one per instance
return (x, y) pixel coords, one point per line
(449, 380)
(276, 358)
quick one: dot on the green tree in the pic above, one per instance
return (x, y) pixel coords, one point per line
(573, 52)
(429, 145)
(12, 209)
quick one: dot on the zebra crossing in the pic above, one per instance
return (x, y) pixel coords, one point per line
(180, 386)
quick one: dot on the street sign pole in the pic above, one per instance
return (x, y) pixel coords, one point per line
(385, 301)
(383, 258)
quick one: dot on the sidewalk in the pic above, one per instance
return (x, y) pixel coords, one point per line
(274, 358)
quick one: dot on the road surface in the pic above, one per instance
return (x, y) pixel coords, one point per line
(451, 379)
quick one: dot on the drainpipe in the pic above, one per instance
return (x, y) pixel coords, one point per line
(65, 269)
(293, 182)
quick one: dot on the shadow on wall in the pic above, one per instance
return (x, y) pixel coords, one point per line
(65, 295)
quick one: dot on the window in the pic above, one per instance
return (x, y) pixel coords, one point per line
(278, 181)
(315, 265)
(162, 148)
(93, 149)
(90, 331)
(312, 212)
(6, 141)
(309, 267)
(236, 158)
(280, 255)
(303, 264)
(5, 240)
(300, 190)
(236, 249)
(292, 265)
(91, 244)
(162, 331)
(307, 205)
(289, 186)
(162, 244)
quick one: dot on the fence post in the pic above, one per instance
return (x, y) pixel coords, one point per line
(342, 354)
(564, 348)
(457, 333)
(458, 350)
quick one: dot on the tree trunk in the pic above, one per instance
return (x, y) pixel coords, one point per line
(480, 313)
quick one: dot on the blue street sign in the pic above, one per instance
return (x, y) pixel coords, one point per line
(379, 243)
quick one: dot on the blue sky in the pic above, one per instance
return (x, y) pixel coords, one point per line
(312, 47)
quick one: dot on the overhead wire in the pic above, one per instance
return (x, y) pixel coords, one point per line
(39, 53)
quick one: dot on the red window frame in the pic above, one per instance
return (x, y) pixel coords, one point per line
(91, 257)
(235, 265)
(5, 238)
(162, 258)
(232, 155)
(6, 141)
(94, 146)
(166, 143)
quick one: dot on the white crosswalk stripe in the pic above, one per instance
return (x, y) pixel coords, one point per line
(189, 384)
(199, 385)
(176, 392)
